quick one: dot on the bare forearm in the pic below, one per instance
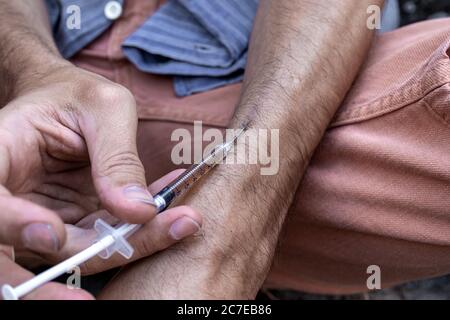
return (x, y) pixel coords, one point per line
(303, 58)
(27, 45)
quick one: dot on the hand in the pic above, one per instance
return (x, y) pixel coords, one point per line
(67, 149)
(66, 139)
(70, 124)
(161, 232)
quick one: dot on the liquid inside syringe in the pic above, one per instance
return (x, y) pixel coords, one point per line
(166, 196)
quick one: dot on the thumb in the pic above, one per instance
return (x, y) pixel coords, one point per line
(117, 171)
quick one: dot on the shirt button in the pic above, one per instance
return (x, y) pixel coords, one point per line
(113, 10)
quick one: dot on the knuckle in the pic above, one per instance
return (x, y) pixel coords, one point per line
(108, 94)
(145, 247)
(114, 93)
(89, 267)
(192, 213)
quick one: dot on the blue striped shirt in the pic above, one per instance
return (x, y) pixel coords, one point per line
(201, 43)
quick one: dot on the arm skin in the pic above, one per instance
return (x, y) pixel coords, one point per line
(27, 49)
(304, 56)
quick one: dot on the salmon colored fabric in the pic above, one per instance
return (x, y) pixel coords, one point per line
(377, 189)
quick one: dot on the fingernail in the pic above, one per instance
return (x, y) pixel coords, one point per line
(40, 237)
(183, 228)
(137, 193)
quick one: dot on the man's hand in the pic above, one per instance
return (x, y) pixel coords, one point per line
(64, 122)
(64, 118)
(303, 58)
(67, 149)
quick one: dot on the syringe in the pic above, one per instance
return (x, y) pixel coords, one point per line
(113, 239)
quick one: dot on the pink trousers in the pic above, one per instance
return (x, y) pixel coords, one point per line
(377, 189)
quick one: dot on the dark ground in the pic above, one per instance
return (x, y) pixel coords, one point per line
(433, 289)
(438, 288)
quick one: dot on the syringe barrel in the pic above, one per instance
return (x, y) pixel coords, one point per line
(183, 183)
(191, 175)
(165, 197)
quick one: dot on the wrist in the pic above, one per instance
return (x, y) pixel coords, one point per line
(27, 46)
(23, 62)
(31, 73)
